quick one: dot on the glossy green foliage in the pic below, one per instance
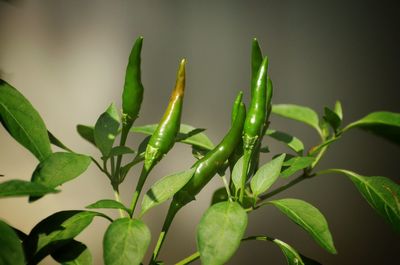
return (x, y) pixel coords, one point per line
(299, 113)
(120, 150)
(17, 187)
(125, 242)
(23, 122)
(292, 142)
(108, 204)
(59, 168)
(73, 253)
(291, 255)
(220, 231)
(381, 193)
(132, 94)
(11, 252)
(294, 164)
(187, 134)
(86, 132)
(332, 118)
(382, 123)
(309, 218)
(220, 195)
(54, 232)
(266, 175)
(237, 174)
(165, 188)
(106, 129)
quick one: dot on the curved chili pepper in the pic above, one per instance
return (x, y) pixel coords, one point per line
(132, 94)
(238, 151)
(206, 168)
(164, 136)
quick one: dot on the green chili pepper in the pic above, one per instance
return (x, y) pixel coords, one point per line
(164, 136)
(257, 111)
(132, 95)
(206, 168)
(256, 60)
(238, 151)
(255, 120)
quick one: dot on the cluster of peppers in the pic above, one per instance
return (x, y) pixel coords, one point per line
(243, 139)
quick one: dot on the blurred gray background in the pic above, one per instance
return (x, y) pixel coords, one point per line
(69, 57)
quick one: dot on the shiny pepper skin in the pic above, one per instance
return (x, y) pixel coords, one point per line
(257, 111)
(208, 166)
(132, 94)
(164, 136)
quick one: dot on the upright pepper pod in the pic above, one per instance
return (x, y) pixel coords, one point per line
(257, 112)
(164, 136)
(238, 151)
(132, 94)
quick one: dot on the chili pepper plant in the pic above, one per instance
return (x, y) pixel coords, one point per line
(235, 160)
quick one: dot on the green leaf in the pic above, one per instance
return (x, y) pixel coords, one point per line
(23, 122)
(266, 175)
(165, 188)
(55, 141)
(298, 113)
(338, 110)
(220, 231)
(332, 118)
(381, 193)
(185, 135)
(86, 132)
(125, 242)
(292, 142)
(106, 129)
(59, 168)
(294, 164)
(220, 195)
(17, 187)
(382, 123)
(54, 232)
(309, 218)
(292, 256)
(237, 174)
(121, 150)
(11, 252)
(73, 253)
(108, 204)
(326, 144)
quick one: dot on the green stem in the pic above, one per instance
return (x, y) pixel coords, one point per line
(284, 187)
(189, 259)
(118, 199)
(173, 209)
(246, 160)
(124, 136)
(226, 184)
(143, 176)
(260, 237)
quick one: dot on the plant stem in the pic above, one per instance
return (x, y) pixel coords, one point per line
(143, 176)
(124, 136)
(246, 161)
(284, 187)
(226, 184)
(196, 255)
(173, 209)
(118, 199)
(189, 259)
